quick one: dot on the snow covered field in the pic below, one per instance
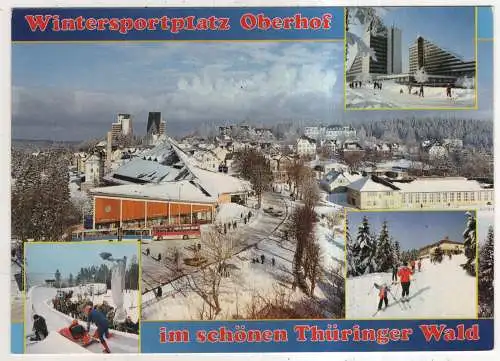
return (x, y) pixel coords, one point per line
(38, 301)
(440, 291)
(390, 97)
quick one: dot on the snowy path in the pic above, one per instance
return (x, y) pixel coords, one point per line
(439, 291)
(38, 300)
(156, 273)
(389, 97)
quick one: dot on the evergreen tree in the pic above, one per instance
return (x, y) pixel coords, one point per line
(470, 244)
(353, 253)
(486, 276)
(384, 256)
(367, 248)
(396, 251)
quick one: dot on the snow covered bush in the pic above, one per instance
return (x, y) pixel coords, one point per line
(470, 244)
(486, 276)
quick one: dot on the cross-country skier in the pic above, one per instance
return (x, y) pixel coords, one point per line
(404, 275)
(101, 322)
(419, 264)
(412, 266)
(382, 295)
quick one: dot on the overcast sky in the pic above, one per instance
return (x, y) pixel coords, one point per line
(74, 91)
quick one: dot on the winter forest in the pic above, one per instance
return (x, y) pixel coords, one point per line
(369, 252)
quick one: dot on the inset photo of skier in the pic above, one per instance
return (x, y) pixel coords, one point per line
(411, 264)
(410, 58)
(82, 297)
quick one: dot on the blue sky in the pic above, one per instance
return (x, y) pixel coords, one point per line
(413, 229)
(44, 259)
(451, 28)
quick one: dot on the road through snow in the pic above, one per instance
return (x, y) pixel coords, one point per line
(38, 301)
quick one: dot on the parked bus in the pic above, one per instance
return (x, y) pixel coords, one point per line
(176, 231)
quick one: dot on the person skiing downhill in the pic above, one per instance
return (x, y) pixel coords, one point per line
(405, 278)
(382, 295)
(101, 322)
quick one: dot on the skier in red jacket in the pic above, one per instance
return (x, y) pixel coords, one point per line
(382, 295)
(404, 275)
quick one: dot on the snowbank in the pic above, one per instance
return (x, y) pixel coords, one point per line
(439, 291)
(229, 212)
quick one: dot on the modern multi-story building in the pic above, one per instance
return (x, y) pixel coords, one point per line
(388, 55)
(156, 127)
(122, 126)
(441, 66)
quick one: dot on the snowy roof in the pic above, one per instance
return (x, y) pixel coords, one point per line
(372, 184)
(145, 171)
(333, 175)
(168, 191)
(451, 184)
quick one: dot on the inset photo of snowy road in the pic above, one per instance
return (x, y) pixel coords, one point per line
(82, 297)
(410, 58)
(412, 264)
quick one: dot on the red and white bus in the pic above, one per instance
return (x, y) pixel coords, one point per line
(176, 231)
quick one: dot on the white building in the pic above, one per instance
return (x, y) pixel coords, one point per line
(373, 192)
(122, 126)
(306, 146)
(337, 181)
(94, 171)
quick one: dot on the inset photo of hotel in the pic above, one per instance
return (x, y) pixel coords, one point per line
(410, 58)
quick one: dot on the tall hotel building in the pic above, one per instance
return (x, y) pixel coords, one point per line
(388, 54)
(441, 65)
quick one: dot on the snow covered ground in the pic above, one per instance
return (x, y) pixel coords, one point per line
(248, 279)
(390, 97)
(440, 291)
(230, 212)
(38, 301)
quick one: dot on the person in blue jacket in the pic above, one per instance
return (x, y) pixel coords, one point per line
(100, 320)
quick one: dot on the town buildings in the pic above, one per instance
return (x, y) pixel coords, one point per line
(446, 246)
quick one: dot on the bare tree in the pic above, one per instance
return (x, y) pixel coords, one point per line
(217, 248)
(312, 264)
